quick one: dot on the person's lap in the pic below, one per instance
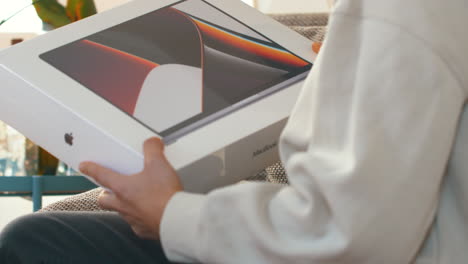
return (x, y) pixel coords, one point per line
(75, 237)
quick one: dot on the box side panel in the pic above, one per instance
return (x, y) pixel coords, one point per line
(236, 162)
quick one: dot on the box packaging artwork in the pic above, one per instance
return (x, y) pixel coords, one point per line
(215, 79)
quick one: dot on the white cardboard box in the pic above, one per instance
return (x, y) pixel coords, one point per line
(95, 81)
(7, 39)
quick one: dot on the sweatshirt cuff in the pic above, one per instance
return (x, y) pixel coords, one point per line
(179, 226)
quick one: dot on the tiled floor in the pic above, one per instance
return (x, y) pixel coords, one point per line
(12, 207)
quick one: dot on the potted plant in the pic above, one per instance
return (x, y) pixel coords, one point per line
(57, 15)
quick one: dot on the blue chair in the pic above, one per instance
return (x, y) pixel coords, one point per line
(37, 186)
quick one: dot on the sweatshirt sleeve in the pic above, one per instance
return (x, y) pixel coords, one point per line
(365, 150)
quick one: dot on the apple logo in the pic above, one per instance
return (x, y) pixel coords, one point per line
(69, 138)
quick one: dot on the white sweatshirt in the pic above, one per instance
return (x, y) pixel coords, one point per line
(366, 151)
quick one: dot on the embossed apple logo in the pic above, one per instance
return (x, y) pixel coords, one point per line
(69, 138)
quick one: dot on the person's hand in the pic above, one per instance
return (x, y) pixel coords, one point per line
(141, 198)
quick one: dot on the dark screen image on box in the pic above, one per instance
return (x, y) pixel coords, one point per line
(176, 65)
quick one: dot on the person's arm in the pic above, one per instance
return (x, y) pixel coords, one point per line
(365, 150)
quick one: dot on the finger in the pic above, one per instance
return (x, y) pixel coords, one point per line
(153, 149)
(103, 176)
(108, 201)
(138, 227)
(138, 231)
(316, 46)
(142, 232)
(130, 220)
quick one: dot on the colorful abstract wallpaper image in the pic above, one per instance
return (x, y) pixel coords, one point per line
(176, 65)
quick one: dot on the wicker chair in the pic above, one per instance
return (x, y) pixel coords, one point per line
(312, 26)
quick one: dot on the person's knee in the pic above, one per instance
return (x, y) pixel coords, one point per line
(14, 238)
(23, 231)
(14, 234)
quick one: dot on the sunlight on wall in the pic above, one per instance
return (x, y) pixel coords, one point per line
(27, 20)
(249, 2)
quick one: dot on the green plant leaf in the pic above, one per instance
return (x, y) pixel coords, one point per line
(79, 9)
(51, 12)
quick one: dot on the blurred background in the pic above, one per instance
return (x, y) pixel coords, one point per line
(29, 22)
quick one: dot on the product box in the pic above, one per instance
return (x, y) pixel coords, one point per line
(215, 79)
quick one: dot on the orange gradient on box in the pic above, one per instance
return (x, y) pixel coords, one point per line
(113, 74)
(252, 47)
(120, 53)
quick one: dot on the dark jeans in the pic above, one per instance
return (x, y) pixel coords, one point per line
(75, 237)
